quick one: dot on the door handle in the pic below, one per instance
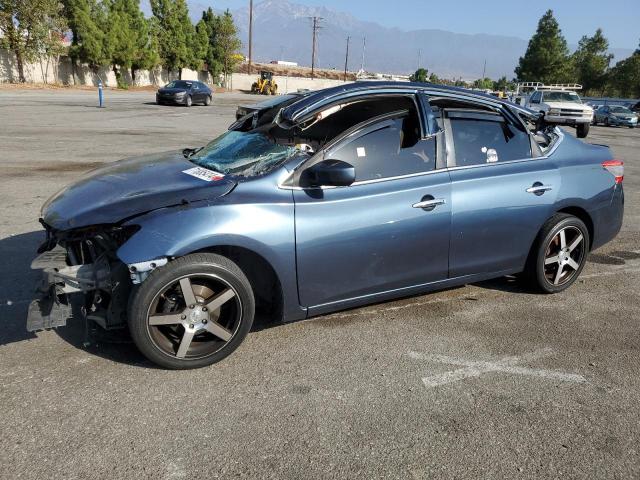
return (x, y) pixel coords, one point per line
(538, 188)
(429, 204)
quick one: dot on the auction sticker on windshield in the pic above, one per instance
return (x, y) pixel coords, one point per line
(204, 174)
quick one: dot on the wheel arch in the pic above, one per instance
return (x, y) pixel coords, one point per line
(262, 276)
(574, 210)
(583, 215)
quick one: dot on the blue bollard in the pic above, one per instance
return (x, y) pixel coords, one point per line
(100, 95)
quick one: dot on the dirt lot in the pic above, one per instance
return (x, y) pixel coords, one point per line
(484, 381)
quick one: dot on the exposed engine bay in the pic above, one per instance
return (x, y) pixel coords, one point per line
(80, 270)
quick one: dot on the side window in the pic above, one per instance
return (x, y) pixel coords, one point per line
(480, 139)
(536, 97)
(389, 149)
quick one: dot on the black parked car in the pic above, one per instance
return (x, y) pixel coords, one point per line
(184, 92)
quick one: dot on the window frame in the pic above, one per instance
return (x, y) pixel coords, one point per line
(368, 126)
(443, 143)
(536, 154)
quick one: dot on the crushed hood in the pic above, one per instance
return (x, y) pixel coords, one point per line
(131, 187)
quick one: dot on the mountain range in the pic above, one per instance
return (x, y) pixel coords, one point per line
(282, 31)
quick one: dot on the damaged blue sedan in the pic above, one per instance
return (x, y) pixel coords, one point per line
(343, 197)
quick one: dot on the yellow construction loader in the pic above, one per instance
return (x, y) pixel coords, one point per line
(265, 85)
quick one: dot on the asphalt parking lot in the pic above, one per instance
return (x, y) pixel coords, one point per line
(484, 381)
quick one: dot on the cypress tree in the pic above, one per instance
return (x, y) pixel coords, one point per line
(547, 57)
(591, 61)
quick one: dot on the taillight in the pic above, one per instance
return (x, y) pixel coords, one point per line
(615, 168)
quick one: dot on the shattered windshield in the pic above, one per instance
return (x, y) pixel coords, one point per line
(243, 153)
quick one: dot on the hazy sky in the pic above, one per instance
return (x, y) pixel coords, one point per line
(620, 19)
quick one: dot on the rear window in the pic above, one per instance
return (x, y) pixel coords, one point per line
(481, 138)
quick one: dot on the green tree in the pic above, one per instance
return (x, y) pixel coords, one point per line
(547, 57)
(175, 33)
(591, 61)
(225, 43)
(31, 29)
(433, 78)
(483, 83)
(624, 77)
(502, 84)
(87, 20)
(200, 45)
(129, 40)
(420, 75)
(120, 35)
(146, 55)
(211, 60)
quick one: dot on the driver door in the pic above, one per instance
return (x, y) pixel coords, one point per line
(372, 239)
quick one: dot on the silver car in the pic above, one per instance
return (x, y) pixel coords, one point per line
(615, 115)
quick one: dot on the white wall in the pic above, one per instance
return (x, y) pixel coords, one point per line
(243, 81)
(63, 73)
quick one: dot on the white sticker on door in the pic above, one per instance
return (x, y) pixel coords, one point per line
(204, 174)
(361, 152)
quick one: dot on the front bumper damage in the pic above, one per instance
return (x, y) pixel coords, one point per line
(80, 276)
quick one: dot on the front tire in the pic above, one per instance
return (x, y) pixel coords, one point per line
(207, 100)
(188, 101)
(582, 130)
(559, 254)
(193, 312)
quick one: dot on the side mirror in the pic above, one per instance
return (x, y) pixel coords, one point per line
(328, 173)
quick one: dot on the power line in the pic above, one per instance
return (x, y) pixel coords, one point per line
(364, 47)
(250, 32)
(316, 28)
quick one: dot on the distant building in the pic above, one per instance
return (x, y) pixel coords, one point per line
(283, 62)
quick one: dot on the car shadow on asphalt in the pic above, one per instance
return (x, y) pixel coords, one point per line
(17, 285)
(509, 284)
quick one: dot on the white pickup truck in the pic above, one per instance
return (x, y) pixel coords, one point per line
(559, 104)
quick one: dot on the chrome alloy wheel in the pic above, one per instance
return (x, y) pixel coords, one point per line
(564, 255)
(194, 316)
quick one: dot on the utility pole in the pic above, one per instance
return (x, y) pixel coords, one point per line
(484, 69)
(419, 58)
(346, 59)
(316, 27)
(364, 47)
(250, 32)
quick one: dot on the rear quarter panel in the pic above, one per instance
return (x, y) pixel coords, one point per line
(587, 185)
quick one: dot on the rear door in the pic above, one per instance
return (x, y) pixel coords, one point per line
(501, 194)
(373, 237)
(196, 92)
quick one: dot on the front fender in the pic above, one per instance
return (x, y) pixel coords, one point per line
(264, 228)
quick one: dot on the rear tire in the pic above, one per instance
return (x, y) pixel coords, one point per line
(558, 254)
(188, 101)
(582, 130)
(179, 330)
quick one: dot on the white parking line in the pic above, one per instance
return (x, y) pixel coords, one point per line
(505, 365)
